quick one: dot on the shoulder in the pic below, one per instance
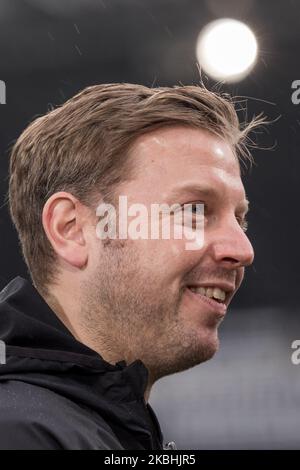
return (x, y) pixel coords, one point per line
(33, 417)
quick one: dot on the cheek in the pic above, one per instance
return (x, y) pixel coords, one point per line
(172, 258)
(240, 276)
(94, 254)
(182, 259)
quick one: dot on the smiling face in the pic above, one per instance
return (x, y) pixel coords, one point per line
(153, 296)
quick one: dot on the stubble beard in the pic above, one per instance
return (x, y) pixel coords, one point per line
(127, 317)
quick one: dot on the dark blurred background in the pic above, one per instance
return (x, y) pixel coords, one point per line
(248, 396)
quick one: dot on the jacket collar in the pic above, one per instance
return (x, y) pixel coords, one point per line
(40, 349)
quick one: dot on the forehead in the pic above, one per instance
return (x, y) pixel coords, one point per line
(170, 159)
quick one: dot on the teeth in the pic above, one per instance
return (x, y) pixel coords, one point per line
(211, 292)
(219, 294)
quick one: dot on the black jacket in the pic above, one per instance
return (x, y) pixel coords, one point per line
(56, 393)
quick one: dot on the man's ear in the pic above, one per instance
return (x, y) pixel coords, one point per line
(64, 219)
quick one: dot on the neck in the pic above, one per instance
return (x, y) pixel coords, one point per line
(103, 348)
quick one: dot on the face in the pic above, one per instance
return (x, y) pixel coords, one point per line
(154, 297)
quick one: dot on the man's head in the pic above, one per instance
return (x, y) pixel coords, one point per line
(131, 299)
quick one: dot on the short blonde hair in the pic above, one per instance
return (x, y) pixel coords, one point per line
(83, 147)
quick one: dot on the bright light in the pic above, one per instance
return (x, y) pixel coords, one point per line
(227, 49)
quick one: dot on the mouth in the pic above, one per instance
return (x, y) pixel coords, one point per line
(215, 297)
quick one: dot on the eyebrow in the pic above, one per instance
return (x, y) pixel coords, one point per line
(206, 191)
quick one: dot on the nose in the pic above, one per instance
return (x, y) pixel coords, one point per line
(232, 248)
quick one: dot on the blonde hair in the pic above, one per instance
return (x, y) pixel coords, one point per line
(83, 147)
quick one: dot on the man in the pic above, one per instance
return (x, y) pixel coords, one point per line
(105, 318)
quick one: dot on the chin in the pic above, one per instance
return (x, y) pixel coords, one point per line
(203, 347)
(211, 349)
(208, 347)
(190, 354)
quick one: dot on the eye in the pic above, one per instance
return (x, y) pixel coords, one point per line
(196, 208)
(243, 223)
